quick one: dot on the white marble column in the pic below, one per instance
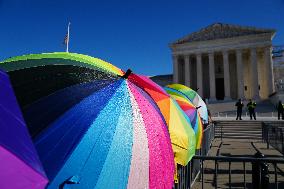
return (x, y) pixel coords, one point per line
(240, 77)
(175, 68)
(226, 75)
(187, 70)
(254, 74)
(212, 77)
(269, 70)
(199, 74)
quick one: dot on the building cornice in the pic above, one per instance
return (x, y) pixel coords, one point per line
(223, 31)
(240, 42)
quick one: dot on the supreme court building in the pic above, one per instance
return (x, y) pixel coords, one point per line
(225, 61)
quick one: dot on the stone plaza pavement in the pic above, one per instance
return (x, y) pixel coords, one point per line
(239, 141)
(227, 109)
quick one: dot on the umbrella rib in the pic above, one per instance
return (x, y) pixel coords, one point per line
(180, 146)
(12, 114)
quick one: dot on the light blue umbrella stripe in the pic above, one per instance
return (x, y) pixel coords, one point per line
(117, 164)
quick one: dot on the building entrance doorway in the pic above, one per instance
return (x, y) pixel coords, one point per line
(220, 92)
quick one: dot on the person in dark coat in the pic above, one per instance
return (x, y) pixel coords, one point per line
(240, 106)
(251, 108)
(280, 110)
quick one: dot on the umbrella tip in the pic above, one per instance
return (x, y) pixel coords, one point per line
(198, 107)
(126, 75)
(70, 180)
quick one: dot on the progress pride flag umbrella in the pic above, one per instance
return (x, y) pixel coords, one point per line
(191, 111)
(20, 167)
(194, 98)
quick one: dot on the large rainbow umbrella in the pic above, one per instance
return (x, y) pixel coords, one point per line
(179, 126)
(191, 111)
(20, 167)
(106, 133)
(194, 98)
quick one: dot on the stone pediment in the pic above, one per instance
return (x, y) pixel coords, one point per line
(222, 31)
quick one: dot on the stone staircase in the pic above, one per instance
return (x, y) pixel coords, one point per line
(250, 130)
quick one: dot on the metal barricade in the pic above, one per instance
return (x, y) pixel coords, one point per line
(272, 134)
(244, 161)
(187, 175)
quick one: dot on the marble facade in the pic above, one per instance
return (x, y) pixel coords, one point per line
(225, 61)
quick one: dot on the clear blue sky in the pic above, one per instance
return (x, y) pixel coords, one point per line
(128, 33)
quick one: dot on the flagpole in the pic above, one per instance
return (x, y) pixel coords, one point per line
(68, 36)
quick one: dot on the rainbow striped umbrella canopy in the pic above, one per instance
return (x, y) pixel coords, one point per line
(179, 126)
(194, 98)
(114, 138)
(102, 133)
(19, 162)
(191, 111)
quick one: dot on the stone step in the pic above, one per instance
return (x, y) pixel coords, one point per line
(239, 137)
(238, 121)
(238, 124)
(240, 131)
(244, 135)
(241, 127)
(237, 134)
(245, 125)
(241, 122)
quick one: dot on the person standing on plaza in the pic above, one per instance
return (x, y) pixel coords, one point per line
(251, 108)
(239, 105)
(280, 110)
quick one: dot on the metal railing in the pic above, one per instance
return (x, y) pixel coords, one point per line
(188, 174)
(256, 164)
(208, 137)
(272, 134)
(247, 167)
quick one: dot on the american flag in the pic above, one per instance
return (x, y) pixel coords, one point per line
(66, 38)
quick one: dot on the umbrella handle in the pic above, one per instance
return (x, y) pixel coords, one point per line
(198, 107)
(70, 180)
